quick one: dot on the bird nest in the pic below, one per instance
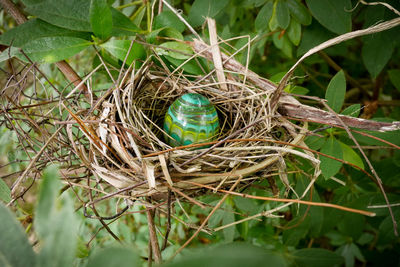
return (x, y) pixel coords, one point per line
(126, 147)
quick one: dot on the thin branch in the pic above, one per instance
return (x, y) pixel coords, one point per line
(153, 237)
(286, 200)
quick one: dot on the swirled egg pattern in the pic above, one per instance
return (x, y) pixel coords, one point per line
(191, 119)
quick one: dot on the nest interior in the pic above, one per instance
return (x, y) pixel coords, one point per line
(127, 149)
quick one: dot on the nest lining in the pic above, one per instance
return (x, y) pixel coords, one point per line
(132, 148)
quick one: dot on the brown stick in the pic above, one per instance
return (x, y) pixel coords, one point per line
(63, 66)
(153, 237)
(287, 200)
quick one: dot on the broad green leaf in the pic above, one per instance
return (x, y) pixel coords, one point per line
(316, 217)
(310, 257)
(216, 218)
(332, 14)
(119, 49)
(168, 32)
(232, 255)
(292, 236)
(246, 205)
(118, 257)
(353, 110)
(34, 29)
(71, 14)
(357, 253)
(299, 12)
(336, 238)
(5, 193)
(273, 22)
(170, 20)
(283, 44)
(53, 49)
(191, 67)
(376, 52)
(49, 189)
(394, 76)
(122, 25)
(330, 167)
(179, 50)
(55, 223)
(15, 249)
(101, 18)
(282, 14)
(298, 90)
(351, 156)
(263, 17)
(386, 229)
(315, 142)
(294, 32)
(228, 218)
(9, 53)
(336, 91)
(351, 224)
(205, 8)
(313, 35)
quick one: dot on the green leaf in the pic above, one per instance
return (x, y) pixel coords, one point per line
(118, 257)
(394, 76)
(315, 142)
(353, 110)
(283, 15)
(263, 17)
(55, 222)
(351, 156)
(216, 218)
(313, 35)
(330, 167)
(186, 50)
(316, 217)
(232, 255)
(168, 32)
(71, 14)
(205, 8)
(170, 20)
(376, 52)
(229, 217)
(311, 257)
(292, 236)
(101, 18)
(53, 49)
(122, 25)
(246, 205)
(336, 91)
(299, 12)
(332, 14)
(283, 43)
(350, 252)
(34, 29)
(273, 22)
(9, 53)
(47, 197)
(15, 249)
(294, 32)
(298, 90)
(5, 192)
(119, 49)
(191, 67)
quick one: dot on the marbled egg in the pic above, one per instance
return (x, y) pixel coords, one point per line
(191, 119)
